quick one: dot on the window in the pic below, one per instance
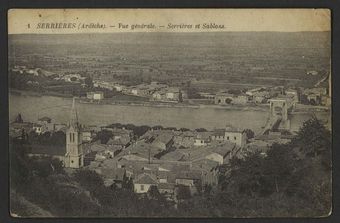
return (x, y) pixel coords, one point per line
(142, 187)
(234, 137)
(227, 137)
(70, 137)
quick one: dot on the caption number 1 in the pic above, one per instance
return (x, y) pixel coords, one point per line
(28, 25)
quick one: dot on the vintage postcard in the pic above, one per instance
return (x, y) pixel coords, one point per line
(170, 112)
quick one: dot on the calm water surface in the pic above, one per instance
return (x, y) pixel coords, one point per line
(57, 108)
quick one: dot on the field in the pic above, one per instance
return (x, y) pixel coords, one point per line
(207, 61)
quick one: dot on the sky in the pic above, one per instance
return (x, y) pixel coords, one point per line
(239, 20)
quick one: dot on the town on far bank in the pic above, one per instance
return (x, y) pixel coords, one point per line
(155, 93)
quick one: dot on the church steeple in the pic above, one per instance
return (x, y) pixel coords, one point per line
(73, 122)
(74, 157)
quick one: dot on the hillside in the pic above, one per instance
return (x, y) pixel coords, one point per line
(240, 58)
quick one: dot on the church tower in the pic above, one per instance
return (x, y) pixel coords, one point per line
(74, 157)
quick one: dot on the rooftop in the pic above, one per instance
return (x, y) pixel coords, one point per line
(230, 128)
(145, 178)
(45, 119)
(166, 186)
(193, 174)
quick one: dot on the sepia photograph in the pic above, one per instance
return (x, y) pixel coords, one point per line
(170, 113)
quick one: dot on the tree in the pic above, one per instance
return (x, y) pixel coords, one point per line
(89, 82)
(183, 192)
(153, 192)
(207, 189)
(313, 138)
(234, 91)
(193, 93)
(184, 129)
(104, 136)
(180, 97)
(228, 100)
(89, 179)
(141, 130)
(250, 134)
(201, 130)
(73, 79)
(19, 119)
(157, 127)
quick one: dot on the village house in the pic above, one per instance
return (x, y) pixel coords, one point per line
(293, 94)
(96, 95)
(44, 120)
(169, 94)
(226, 98)
(35, 71)
(161, 139)
(207, 95)
(60, 127)
(167, 189)
(88, 135)
(232, 134)
(47, 124)
(39, 129)
(316, 96)
(188, 178)
(73, 78)
(173, 94)
(162, 176)
(202, 139)
(17, 129)
(102, 151)
(258, 95)
(185, 139)
(118, 87)
(103, 84)
(217, 152)
(112, 176)
(143, 182)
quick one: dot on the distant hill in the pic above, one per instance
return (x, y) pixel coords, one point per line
(231, 57)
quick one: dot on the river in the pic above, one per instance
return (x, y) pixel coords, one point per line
(58, 108)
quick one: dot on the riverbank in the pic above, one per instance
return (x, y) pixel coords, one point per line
(299, 109)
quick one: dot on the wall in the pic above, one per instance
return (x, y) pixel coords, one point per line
(138, 189)
(186, 182)
(240, 140)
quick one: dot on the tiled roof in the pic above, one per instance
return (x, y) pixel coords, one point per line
(145, 178)
(230, 128)
(223, 149)
(204, 135)
(166, 186)
(218, 132)
(113, 173)
(47, 119)
(98, 147)
(192, 174)
(165, 138)
(121, 141)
